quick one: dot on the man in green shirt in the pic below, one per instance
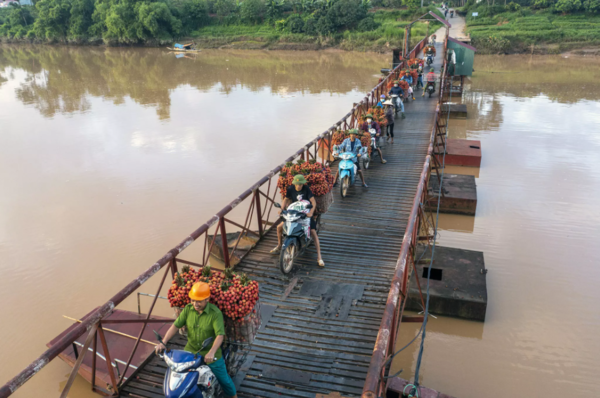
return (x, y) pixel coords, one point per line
(203, 320)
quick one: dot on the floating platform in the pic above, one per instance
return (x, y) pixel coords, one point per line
(457, 286)
(396, 387)
(457, 111)
(463, 153)
(119, 345)
(243, 244)
(459, 194)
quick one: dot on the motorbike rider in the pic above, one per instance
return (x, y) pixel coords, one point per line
(408, 78)
(381, 101)
(203, 320)
(299, 190)
(352, 144)
(389, 116)
(397, 90)
(371, 124)
(430, 80)
(429, 52)
(431, 40)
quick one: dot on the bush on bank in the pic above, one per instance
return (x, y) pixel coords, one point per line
(354, 22)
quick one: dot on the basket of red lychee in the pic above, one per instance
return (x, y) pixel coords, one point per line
(234, 294)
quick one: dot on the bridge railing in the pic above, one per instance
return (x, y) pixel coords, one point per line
(248, 217)
(385, 345)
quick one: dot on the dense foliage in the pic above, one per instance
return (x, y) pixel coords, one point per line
(138, 21)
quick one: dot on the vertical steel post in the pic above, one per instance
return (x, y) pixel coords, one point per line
(111, 373)
(173, 265)
(95, 345)
(137, 342)
(258, 212)
(79, 361)
(224, 239)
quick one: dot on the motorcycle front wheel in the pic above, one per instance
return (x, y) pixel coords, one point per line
(344, 185)
(286, 258)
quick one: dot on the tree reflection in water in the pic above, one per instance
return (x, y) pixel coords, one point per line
(61, 79)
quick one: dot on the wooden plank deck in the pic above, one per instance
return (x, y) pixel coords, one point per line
(323, 343)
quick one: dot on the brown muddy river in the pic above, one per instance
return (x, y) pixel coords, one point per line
(108, 158)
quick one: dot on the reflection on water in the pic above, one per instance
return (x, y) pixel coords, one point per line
(538, 120)
(62, 79)
(109, 157)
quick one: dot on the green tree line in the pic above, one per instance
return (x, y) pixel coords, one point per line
(138, 21)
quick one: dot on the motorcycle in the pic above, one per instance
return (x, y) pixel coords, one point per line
(364, 152)
(430, 89)
(407, 94)
(188, 375)
(429, 60)
(394, 101)
(347, 169)
(451, 14)
(296, 233)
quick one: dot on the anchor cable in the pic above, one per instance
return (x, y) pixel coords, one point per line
(426, 309)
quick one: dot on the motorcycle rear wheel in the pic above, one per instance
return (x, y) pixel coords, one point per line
(318, 222)
(430, 94)
(287, 257)
(344, 184)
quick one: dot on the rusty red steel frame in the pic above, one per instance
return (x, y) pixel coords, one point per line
(262, 196)
(385, 345)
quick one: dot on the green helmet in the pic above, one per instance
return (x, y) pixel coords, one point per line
(299, 179)
(368, 115)
(352, 131)
(431, 70)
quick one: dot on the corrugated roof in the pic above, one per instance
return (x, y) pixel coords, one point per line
(442, 20)
(460, 43)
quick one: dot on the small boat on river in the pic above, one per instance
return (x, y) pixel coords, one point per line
(189, 47)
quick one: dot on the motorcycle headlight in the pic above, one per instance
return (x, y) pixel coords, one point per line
(178, 366)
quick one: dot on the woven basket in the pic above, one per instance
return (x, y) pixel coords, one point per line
(323, 202)
(243, 331)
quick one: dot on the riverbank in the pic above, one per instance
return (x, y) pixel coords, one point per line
(516, 30)
(284, 43)
(253, 41)
(379, 31)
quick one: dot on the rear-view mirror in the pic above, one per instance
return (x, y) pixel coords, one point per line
(207, 342)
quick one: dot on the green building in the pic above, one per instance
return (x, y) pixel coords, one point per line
(461, 56)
